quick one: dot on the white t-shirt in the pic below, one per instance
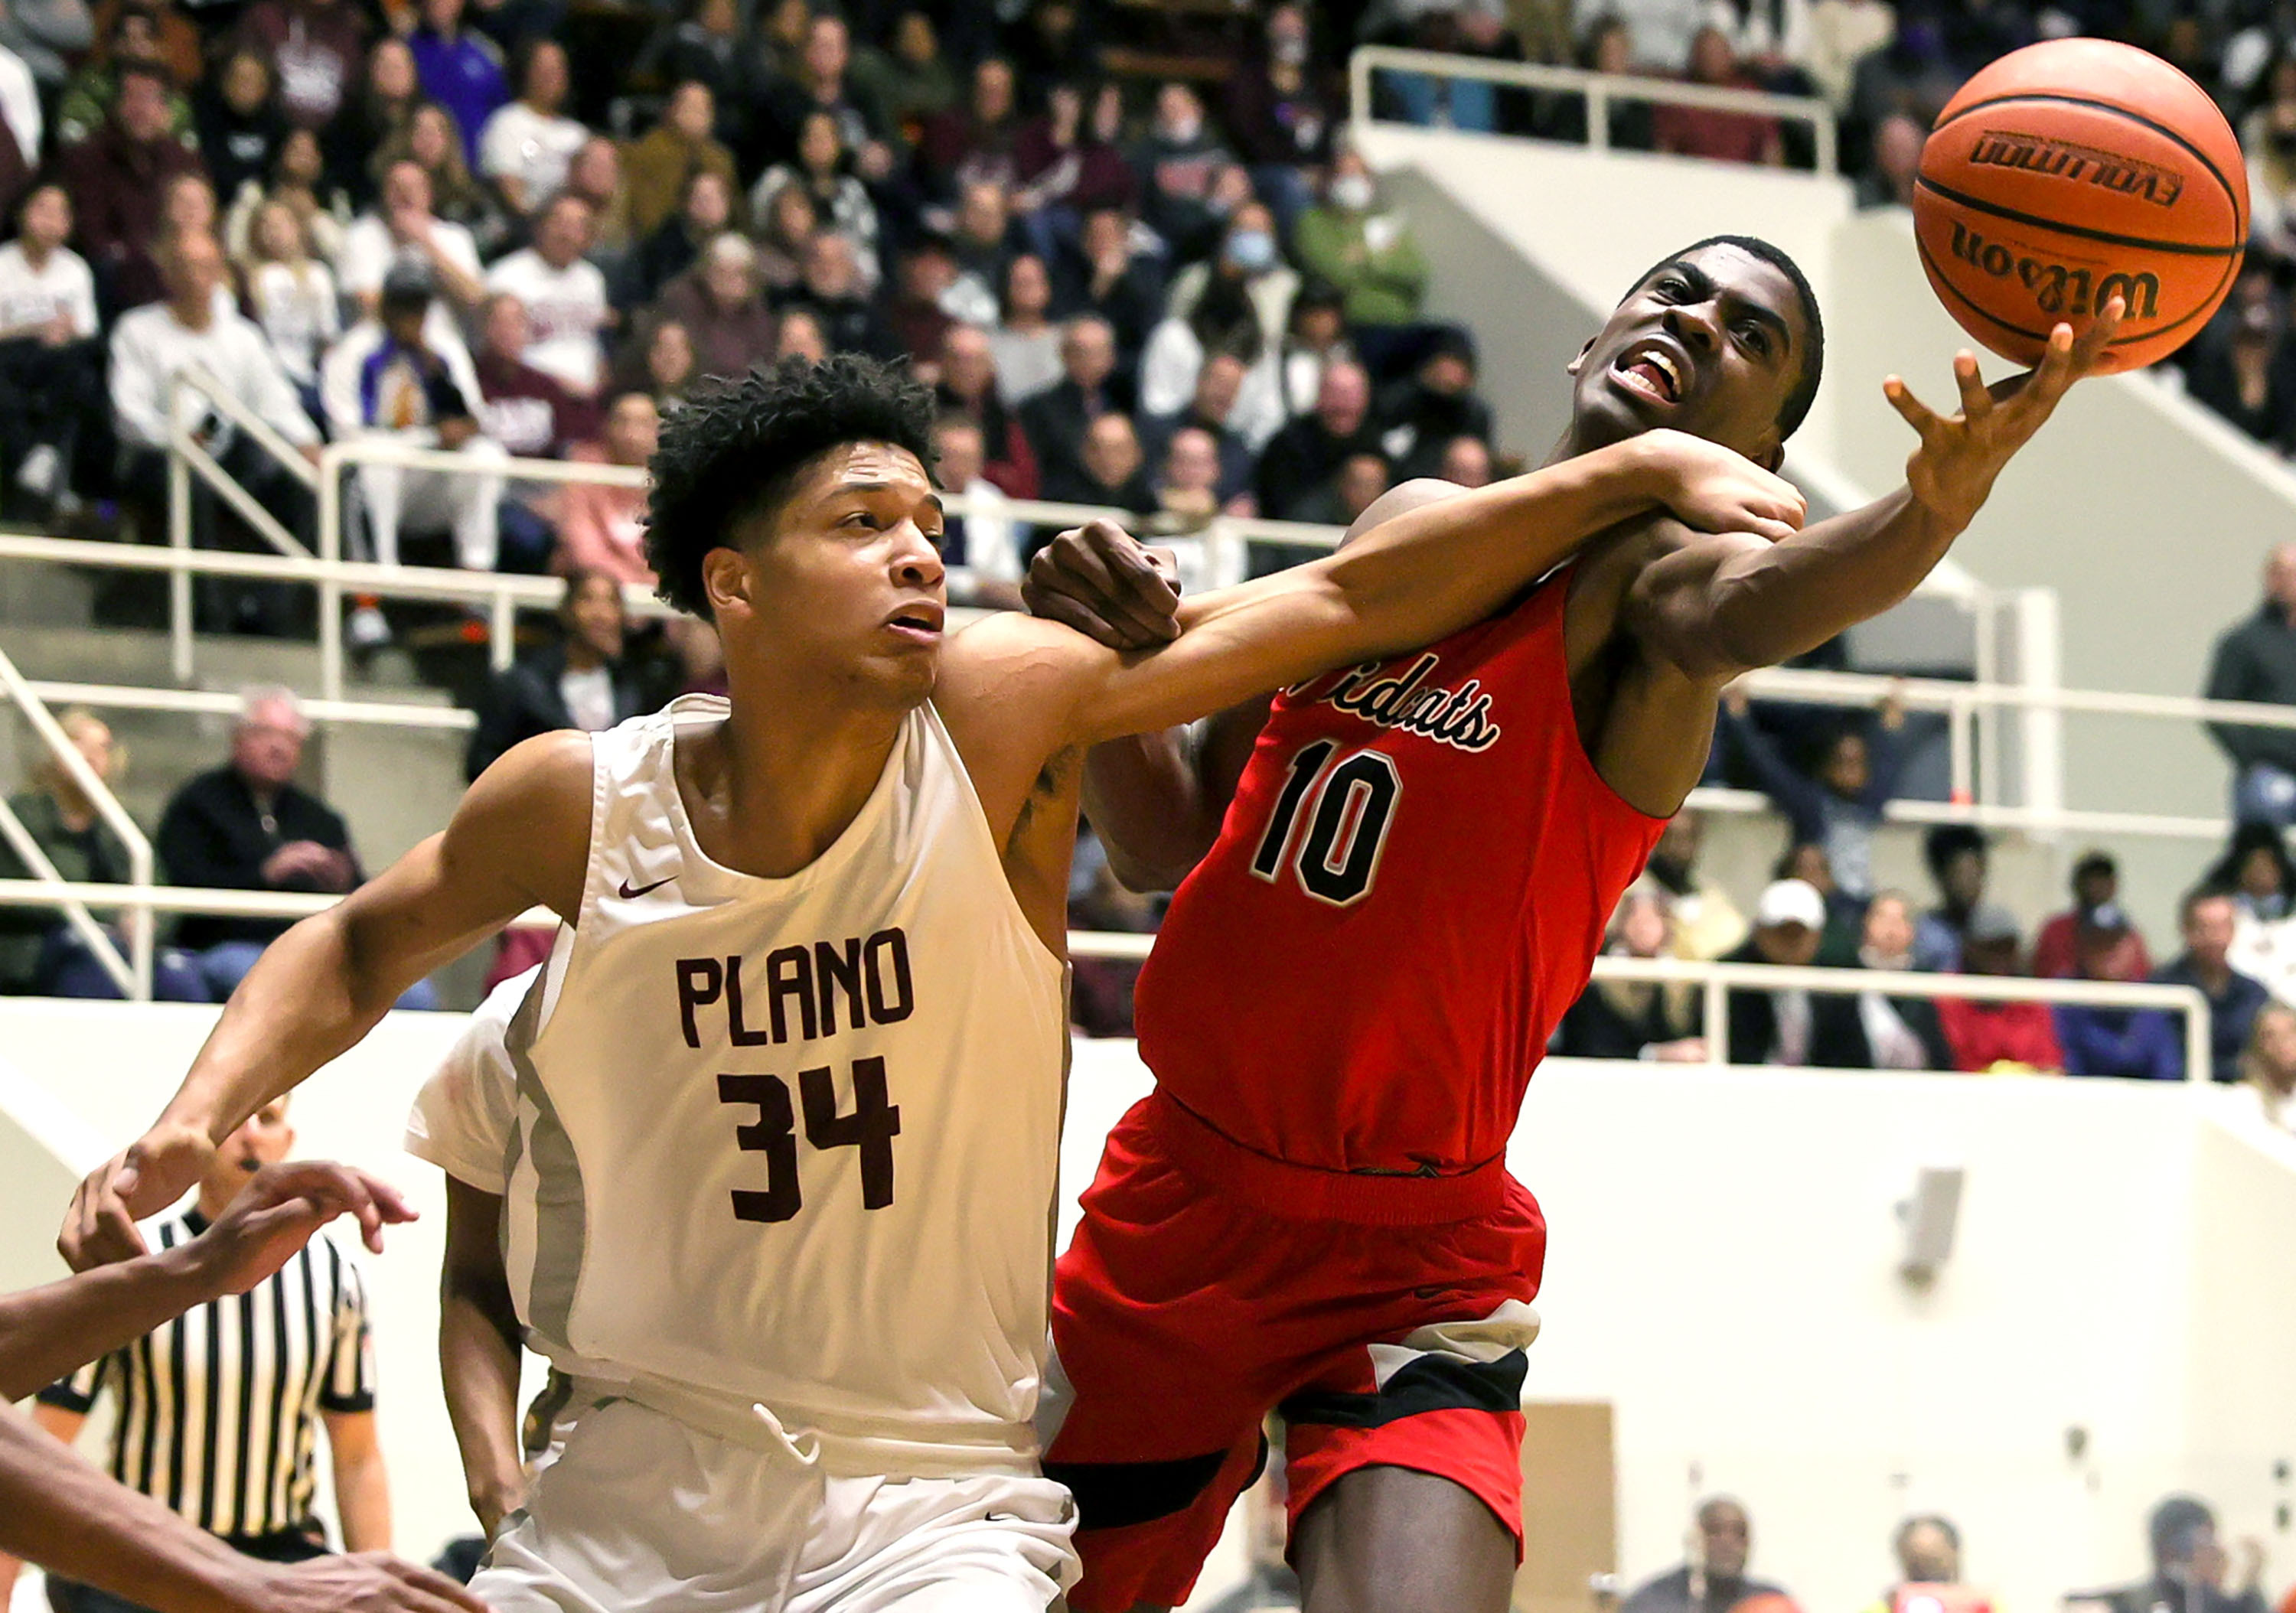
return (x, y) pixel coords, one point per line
(589, 698)
(566, 308)
(297, 311)
(530, 147)
(19, 104)
(149, 346)
(34, 297)
(369, 251)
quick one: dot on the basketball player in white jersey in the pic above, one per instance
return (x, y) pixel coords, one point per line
(780, 1192)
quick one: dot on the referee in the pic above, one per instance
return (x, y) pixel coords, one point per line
(217, 1414)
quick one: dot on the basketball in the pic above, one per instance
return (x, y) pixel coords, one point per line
(2068, 172)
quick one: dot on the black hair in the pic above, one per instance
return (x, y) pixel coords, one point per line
(1796, 408)
(2093, 862)
(2174, 1523)
(735, 448)
(2249, 837)
(1948, 841)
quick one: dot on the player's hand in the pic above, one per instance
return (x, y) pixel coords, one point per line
(161, 1166)
(276, 1215)
(1711, 488)
(1108, 585)
(1951, 474)
(373, 1582)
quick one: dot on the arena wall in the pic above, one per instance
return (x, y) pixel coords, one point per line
(1724, 1272)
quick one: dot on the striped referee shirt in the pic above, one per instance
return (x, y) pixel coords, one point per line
(217, 1410)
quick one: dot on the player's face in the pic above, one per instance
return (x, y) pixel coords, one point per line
(1711, 342)
(847, 582)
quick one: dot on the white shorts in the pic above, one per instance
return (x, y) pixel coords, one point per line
(641, 1511)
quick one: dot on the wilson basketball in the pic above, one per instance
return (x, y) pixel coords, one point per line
(2071, 171)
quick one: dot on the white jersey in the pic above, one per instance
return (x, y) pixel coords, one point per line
(792, 1145)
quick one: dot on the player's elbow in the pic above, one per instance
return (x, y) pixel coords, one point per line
(1690, 632)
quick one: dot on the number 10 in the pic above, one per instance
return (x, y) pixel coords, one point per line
(1349, 811)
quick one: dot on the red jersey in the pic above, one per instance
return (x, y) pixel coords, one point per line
(1408, 891)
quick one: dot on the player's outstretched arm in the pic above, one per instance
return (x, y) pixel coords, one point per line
(479, 1345)
(1715, 607)
(1157, 800)
(58, 1511)
(48, 1332)
(1413, 579)
(519, 839)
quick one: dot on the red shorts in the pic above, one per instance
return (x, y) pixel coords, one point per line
(1185, 1310)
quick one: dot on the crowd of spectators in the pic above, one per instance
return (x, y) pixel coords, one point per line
(2193, 1569)
(432, 224)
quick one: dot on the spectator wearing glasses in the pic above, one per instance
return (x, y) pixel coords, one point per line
(247, 826)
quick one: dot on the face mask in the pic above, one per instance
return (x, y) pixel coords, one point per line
(1352, 192)
(1183, 131)
(1289, 51)
(1251, 250)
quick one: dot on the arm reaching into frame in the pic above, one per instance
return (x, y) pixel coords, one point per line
(1427, 573)
(46, 1333)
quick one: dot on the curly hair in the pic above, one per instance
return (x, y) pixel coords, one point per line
(735, 448)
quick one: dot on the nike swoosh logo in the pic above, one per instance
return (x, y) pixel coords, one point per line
(631, 896)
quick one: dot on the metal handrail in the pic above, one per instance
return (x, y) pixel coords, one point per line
(138, 964)
(1716, 979)
(1961, 703)
(1599, 89)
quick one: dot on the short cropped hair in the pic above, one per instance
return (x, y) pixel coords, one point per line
(734, 451)
(1796, 408)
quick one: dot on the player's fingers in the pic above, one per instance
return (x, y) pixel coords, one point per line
(438, 1585)
(1976, 402)
(1104, 574)
(1774, 530)
(2090, 347)
(1910, 409)
(1053, 605)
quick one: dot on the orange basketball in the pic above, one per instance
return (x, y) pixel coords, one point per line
(2067, 172)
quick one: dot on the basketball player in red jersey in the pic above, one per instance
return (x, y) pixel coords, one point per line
(1406, 871)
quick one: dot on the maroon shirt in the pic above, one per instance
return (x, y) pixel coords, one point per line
(117, 185)
(532, 415)
(316, 49)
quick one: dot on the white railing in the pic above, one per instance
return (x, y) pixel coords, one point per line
(1976, 774)
(1599, 90)
(132, 974)
(1714, 980)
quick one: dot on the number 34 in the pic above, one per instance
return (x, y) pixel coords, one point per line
(871, 1128)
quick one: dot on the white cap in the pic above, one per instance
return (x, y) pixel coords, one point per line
(1791, 902)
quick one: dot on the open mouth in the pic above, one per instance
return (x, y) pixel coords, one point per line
(922, 622)
(1650, 370)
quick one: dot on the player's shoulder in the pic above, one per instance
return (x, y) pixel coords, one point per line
(536, 795)
(1006, 656)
